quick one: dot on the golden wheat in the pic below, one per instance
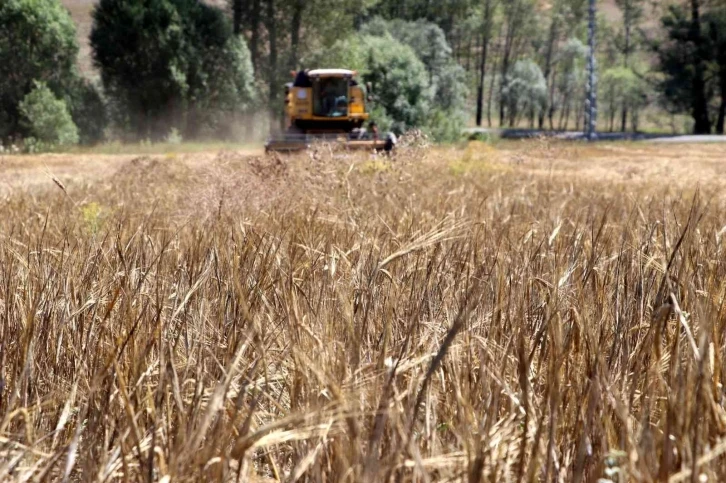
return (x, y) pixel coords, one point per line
(442, 316)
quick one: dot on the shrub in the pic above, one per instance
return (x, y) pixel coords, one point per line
(88, 110)
(47, 118)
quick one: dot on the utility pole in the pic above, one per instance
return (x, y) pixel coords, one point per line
(591, 102)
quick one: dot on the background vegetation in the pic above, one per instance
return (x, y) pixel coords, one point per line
(215, 70)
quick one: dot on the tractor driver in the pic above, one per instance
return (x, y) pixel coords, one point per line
(328, 95)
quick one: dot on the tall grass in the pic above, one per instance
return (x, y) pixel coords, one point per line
(308, 319)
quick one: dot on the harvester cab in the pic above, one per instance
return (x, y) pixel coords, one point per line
(328, 105)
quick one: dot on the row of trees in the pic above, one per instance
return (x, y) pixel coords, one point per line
(201, 71)
(525, 59)
(204, 71)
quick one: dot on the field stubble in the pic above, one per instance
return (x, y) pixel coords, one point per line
(531, 313)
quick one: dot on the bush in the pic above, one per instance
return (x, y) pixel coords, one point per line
(88, 110)
(47, 118)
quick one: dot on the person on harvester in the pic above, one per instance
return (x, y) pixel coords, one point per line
(374, 130)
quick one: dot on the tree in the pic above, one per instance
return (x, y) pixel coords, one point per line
(570, 84)
(425, 38)
(238, 11)
(170, 63)
(47, 118)
(402, 91)
(566, 18)
(632, 11)
(524, 91)
(683, 58)
(428, 41)
(621, 86)
(444, 114)
(88, 110)
(37, 43)
(716, 26)
(517, 15)
(700, 101)
(489, 7)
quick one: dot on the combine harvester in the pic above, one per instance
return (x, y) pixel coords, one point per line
(327, 105)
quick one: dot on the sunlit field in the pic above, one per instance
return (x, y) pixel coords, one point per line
(523, 311)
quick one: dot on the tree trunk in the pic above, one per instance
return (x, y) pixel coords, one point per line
(237, 9)
(468, 54)
(483, 62)
(722, 108)
(255, 37)
(551, 107)
(700, 101)
(272, 65)
(554, 33)
(514, 21)
(297, 13)
(565, 116)
(626, 61)
(503, 75)
(492, 83)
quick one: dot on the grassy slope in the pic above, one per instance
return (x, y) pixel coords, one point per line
(197, 317)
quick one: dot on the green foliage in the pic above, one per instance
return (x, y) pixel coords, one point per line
(620, 85)
(416, 82)
(678, 55)
(425, 38)
(47, 118)
(572, 65)
(88, 110)
(675, 63)
(429, 42)
(171, 63)
(174, 138)
(525, 91)
(37, 42)
(93, 216)
(332, 19)
(401, 84)
(444, 126)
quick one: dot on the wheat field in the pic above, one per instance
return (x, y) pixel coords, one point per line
(539, 312)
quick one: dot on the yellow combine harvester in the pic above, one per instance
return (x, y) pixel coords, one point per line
(327, 105)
